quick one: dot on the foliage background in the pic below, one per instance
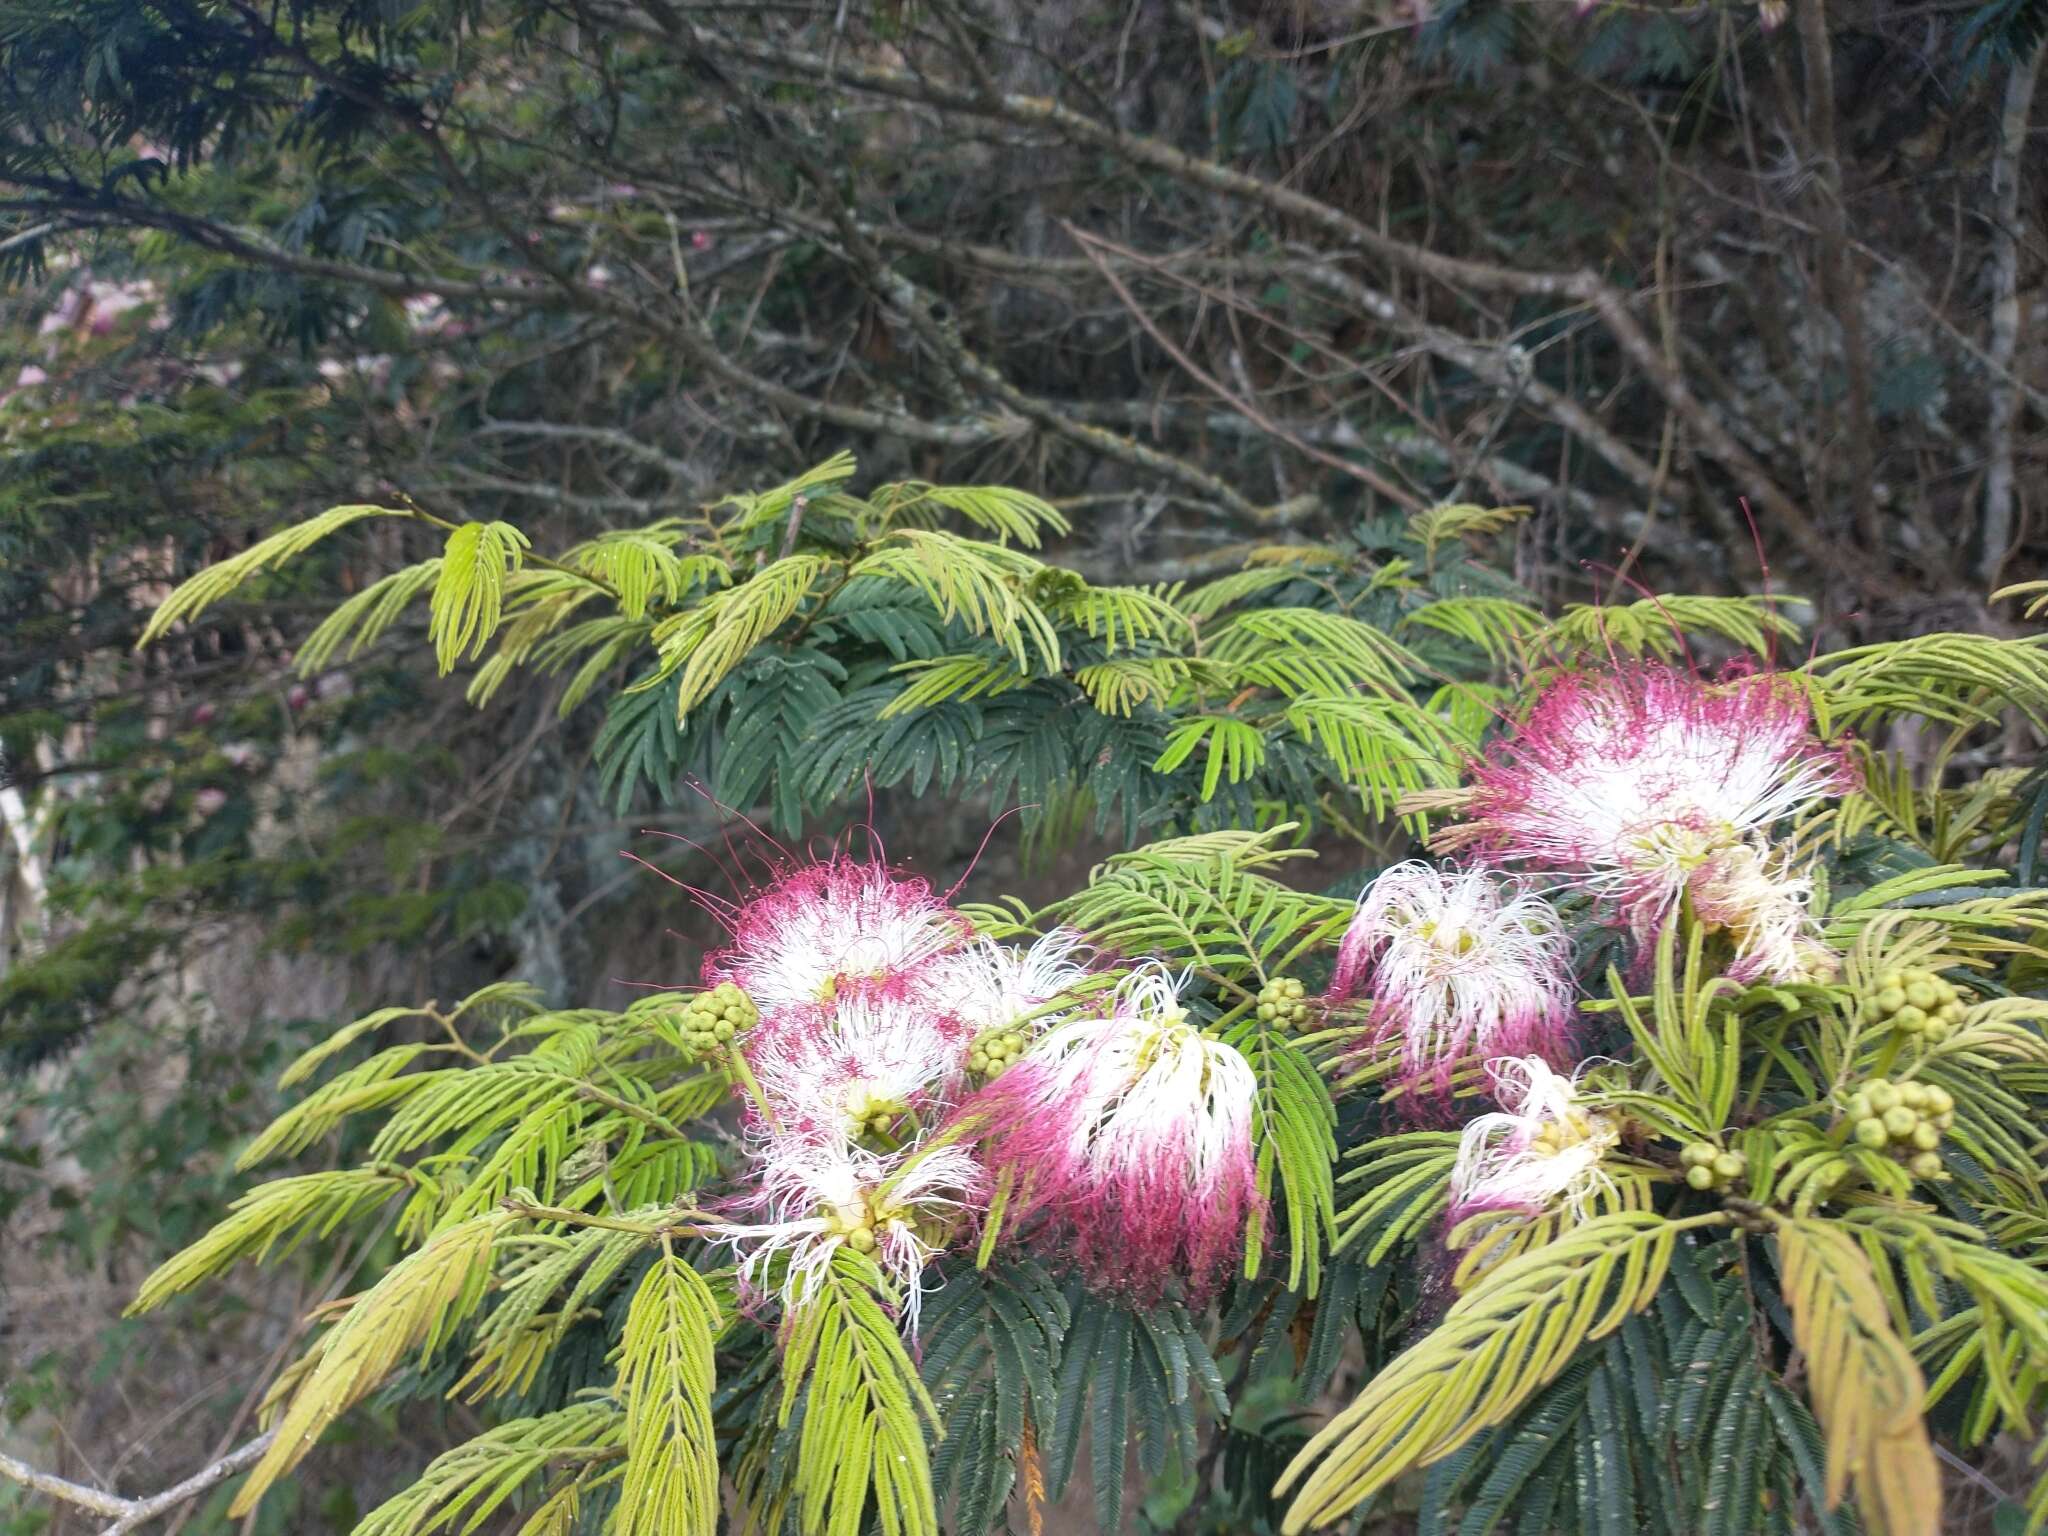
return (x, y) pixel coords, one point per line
(1203, 274)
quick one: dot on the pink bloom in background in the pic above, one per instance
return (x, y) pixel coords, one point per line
(821, 931)
(1637, 779)
(1540, 1150)
(1130, 1137)
(1457, 963)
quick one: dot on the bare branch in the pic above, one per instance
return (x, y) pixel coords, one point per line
(2004, 400)
(1091, 245)
(131, 1514)
(1612, 305)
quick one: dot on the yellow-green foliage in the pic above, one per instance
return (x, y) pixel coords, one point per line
(546, 1166)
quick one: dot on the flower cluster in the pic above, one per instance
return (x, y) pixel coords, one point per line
(1645, 784)
(1131, 1135)
(910, 1080)
(1457, 963)
(1542, 1148)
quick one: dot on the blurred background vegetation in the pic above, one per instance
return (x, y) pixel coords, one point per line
(1204, 275)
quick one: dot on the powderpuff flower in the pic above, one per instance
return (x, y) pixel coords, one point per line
(1763, 906)
(1132, 1136)
(1636, 779)
(1541, 1149)
(816, 1198)
(834, 1072)
(998, 986)
(826, 930)
(1457, 962)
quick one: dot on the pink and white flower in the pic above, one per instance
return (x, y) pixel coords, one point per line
(816, 1067)
(1762, 904)
(830, 929)
(1131, 1137)
(1000, 986)
(1541, 1150)
(1637, 779)
(818, 1197)
(1456, 963)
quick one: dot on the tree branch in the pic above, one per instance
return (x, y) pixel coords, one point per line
(130, 1514)
(1837, 277)
(1092, 246)
(1610, 304)
(2003, 403)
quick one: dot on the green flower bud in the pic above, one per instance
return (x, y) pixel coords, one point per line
(1921, 994)
(1913, 1095)
(1925, 1165)
(1882, 1095)
(1729, 1165)
(1925, 1137)
(1871, 1133)
(1899, 1122)
(1700, 1178)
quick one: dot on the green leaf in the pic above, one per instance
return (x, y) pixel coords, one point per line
(864, 1410)
(666, 1378)
(1515, 1330)
(219, 579)
(469, 592)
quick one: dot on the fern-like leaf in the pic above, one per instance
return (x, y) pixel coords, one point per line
(416, 1306)
(864, 1409)
(1865, 1385)
(1502, 1341)
(218, 580)
(275, 1216)
(462, 1488)
(469, 590)
(666, 1378)
(713, 638)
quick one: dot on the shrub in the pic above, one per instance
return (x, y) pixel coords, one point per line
(1667, 1143)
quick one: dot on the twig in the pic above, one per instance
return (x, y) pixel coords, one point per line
(2003, 401)
(1088, 245)
(130, 1514)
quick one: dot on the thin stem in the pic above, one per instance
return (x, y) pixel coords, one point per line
(736, 1062)
(683, 1224)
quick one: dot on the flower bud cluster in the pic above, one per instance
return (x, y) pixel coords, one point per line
(1904, 1119)
(1708, 1167)
(872, 1114)
(1913, 1002)
(716, 1018)
(993, 1050)
(1283, 1003)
